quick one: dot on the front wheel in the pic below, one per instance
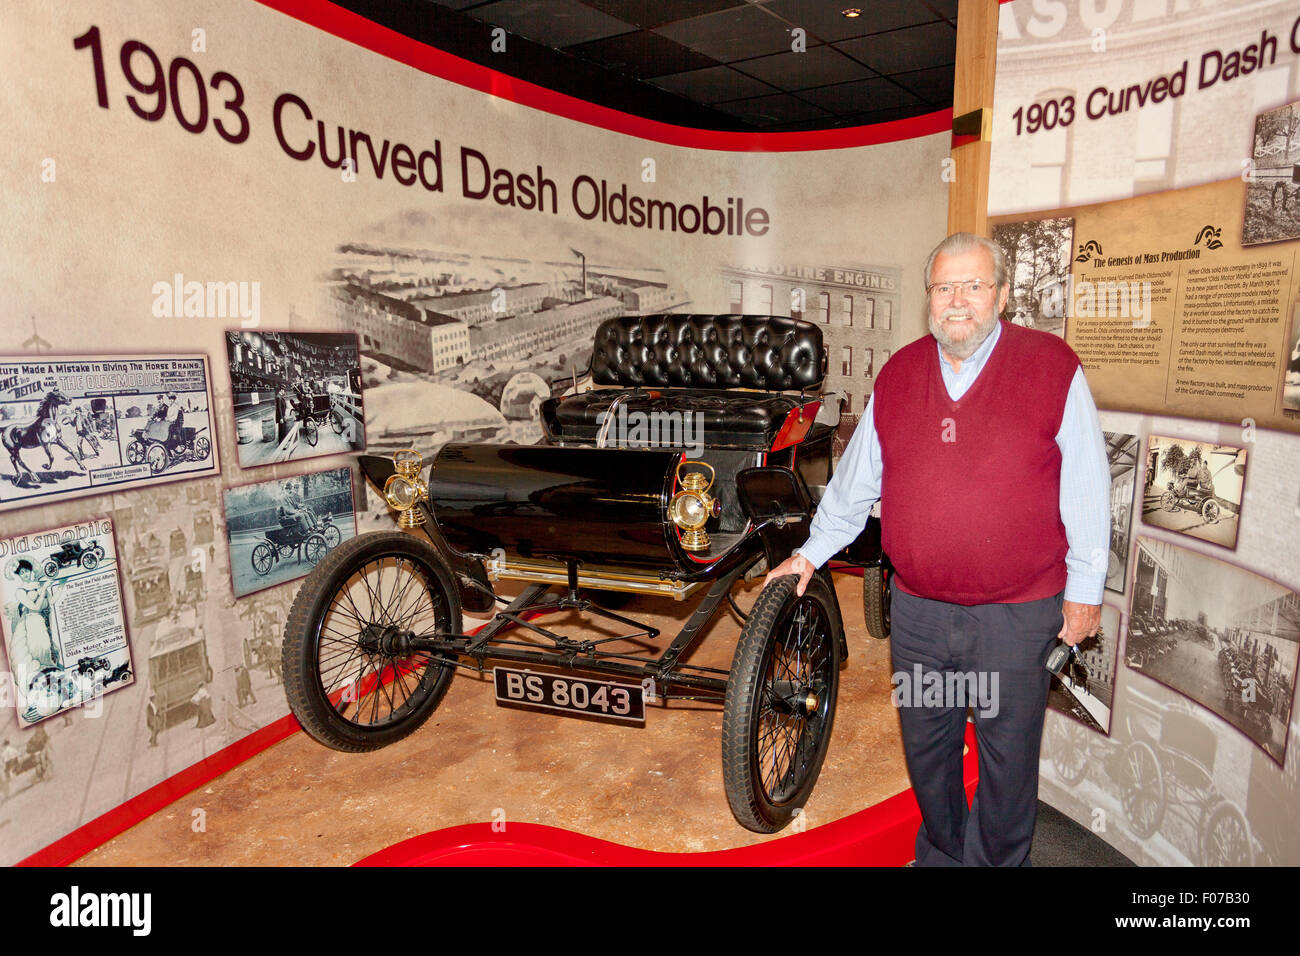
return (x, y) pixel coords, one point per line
(332, 535)
(336, 422)
(263, 558)
(310, 431)
(51, 568)
(90, 561)
(134, 452)
(202, 449)
(1211, 511)
(780, 702)
(1169, 501)
(350, 675)
(875, 601)
(314, 548)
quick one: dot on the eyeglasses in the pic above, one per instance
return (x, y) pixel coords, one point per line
(972, 287)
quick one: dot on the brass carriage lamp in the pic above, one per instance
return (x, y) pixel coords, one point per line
(693, 506)
(405, 489)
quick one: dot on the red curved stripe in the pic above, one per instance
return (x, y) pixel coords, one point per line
(883, 835)
(379, 39)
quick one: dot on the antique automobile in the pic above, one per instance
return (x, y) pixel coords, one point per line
(1186, 494)
(600, 511)
(71, 553)
(280, 544)
(313, 410)
(151, 444)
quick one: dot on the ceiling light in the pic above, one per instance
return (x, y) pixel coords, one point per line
(851, 12)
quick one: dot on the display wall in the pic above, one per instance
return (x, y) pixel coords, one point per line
(1145, 180)
(184, 236)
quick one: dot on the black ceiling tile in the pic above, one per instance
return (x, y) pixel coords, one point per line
(642, 54)
(913, 48)
(825, 19)
(766, 110)
(649, 14)
(860, 97)
(934, 85)
(555, 23)
(818, 66)
(712, 85)
(945, 8)
(843, 122)
(735, 34)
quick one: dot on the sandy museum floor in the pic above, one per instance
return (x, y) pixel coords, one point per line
(657, 786)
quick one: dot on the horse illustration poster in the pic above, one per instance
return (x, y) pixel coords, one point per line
(76, 425)
(64, 628)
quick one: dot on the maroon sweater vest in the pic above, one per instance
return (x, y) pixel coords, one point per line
(970, 490)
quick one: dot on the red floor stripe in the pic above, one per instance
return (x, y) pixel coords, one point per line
(883, 835)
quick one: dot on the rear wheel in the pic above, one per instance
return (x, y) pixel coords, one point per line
(310, 431)
(780, 702)
(1210, 511)
(157, 456)
(875, 601)
(350, 676)
(1169, 501)
(134, 452)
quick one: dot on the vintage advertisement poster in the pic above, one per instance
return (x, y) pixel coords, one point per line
(79, 425)
(64, 628)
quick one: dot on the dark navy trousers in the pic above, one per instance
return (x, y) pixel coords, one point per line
(1005, 646)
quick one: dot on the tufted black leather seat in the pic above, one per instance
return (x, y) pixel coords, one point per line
(687, 364)
(708, 351)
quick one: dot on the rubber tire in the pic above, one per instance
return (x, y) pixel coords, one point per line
(315, 548)
(157, 462)
(1227, 816)
(89, 561)
(1211, 511)
(134, 452)
(202, 449)
(310, 431)
(51, 568)
(332, 535)
(748, 804)
(266, 549)
(1169, 501)
(302, 687)
(875, 601)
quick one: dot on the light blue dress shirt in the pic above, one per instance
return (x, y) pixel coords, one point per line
(1085, 482)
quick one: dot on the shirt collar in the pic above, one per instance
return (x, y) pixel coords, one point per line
(975, 364)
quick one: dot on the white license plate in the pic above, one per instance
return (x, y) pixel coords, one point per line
(573, 695)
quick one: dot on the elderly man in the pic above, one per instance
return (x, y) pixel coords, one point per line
(984, 450)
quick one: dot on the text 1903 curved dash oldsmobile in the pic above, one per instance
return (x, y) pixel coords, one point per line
(695, 460)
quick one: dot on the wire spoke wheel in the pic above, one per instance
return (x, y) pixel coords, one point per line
(310, 431)
(780, 703)
(263, 558)
(351, 676)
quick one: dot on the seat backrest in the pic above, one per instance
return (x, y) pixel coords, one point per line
(708, 351)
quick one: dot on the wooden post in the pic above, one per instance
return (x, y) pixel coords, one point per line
(972, 110)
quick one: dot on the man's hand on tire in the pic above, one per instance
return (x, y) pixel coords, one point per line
(796, 564)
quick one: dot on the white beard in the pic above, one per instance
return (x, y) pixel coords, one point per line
(972, 331)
